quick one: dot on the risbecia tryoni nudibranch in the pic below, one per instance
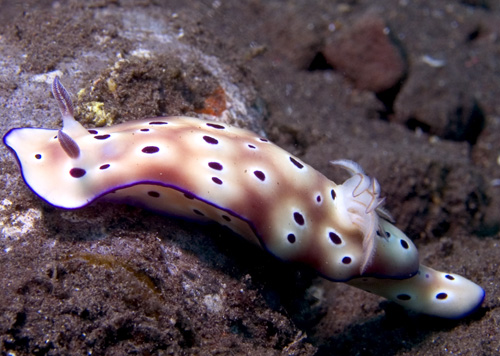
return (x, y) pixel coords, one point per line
(210, 171)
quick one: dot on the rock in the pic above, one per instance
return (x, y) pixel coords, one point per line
(365, 53)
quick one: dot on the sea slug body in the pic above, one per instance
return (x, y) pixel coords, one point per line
(210, 171)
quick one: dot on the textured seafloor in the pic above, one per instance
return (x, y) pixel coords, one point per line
(407, 88)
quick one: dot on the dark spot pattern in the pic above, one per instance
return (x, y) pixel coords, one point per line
(144, 130)
(154, 194)
(38, 156)
(334, 195)
(197, 212)
(252, 147)
(263, 139)
(260, 175)
(335, 238)
(427, 275)
(216, 180)
(77, 172)
(404, 244)
(158, 123)
(441, 296)
(101, 137)
(291, 238)
(299, 219)
(215, 165)
(93, 132)
(189, 196)
(104, 166)
(346, 260)
(150, 149)
(225, 217)
(318, 198)
(210, 140)
(403, 297)
(450, 277)
(216, 126)
(296, 163)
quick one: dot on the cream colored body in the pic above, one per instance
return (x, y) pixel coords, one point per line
(210, 171)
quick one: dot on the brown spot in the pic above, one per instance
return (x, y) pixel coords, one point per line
(346, 260)
(264, 139)
(150, 149)
(189, 196)
(101, 137)
(450, 277)
(215, 165)
(197, 212)
(335, 238)
(299, 219)
(334, 195)
(38, 156)
(404, 244)
(77, 172)
(93, 132)
(291, 238)
(104, 166)
(154, 194)
(252, 147)
(441, 296)
(144, 130)
(210, 140)
(296, 163)
(260, 175)
(318, 198)
(158, 123)
(225, 217)
(216, 126)
(216, 180)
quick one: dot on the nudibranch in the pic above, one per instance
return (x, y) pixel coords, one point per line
(210, 171)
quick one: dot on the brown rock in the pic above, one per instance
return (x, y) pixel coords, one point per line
(365, 53)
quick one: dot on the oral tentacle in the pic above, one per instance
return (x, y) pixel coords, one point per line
(63, 98)
(71, 127)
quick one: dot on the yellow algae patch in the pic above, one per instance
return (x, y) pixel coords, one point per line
(95, 112)
(113, 262)
(111, 85)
